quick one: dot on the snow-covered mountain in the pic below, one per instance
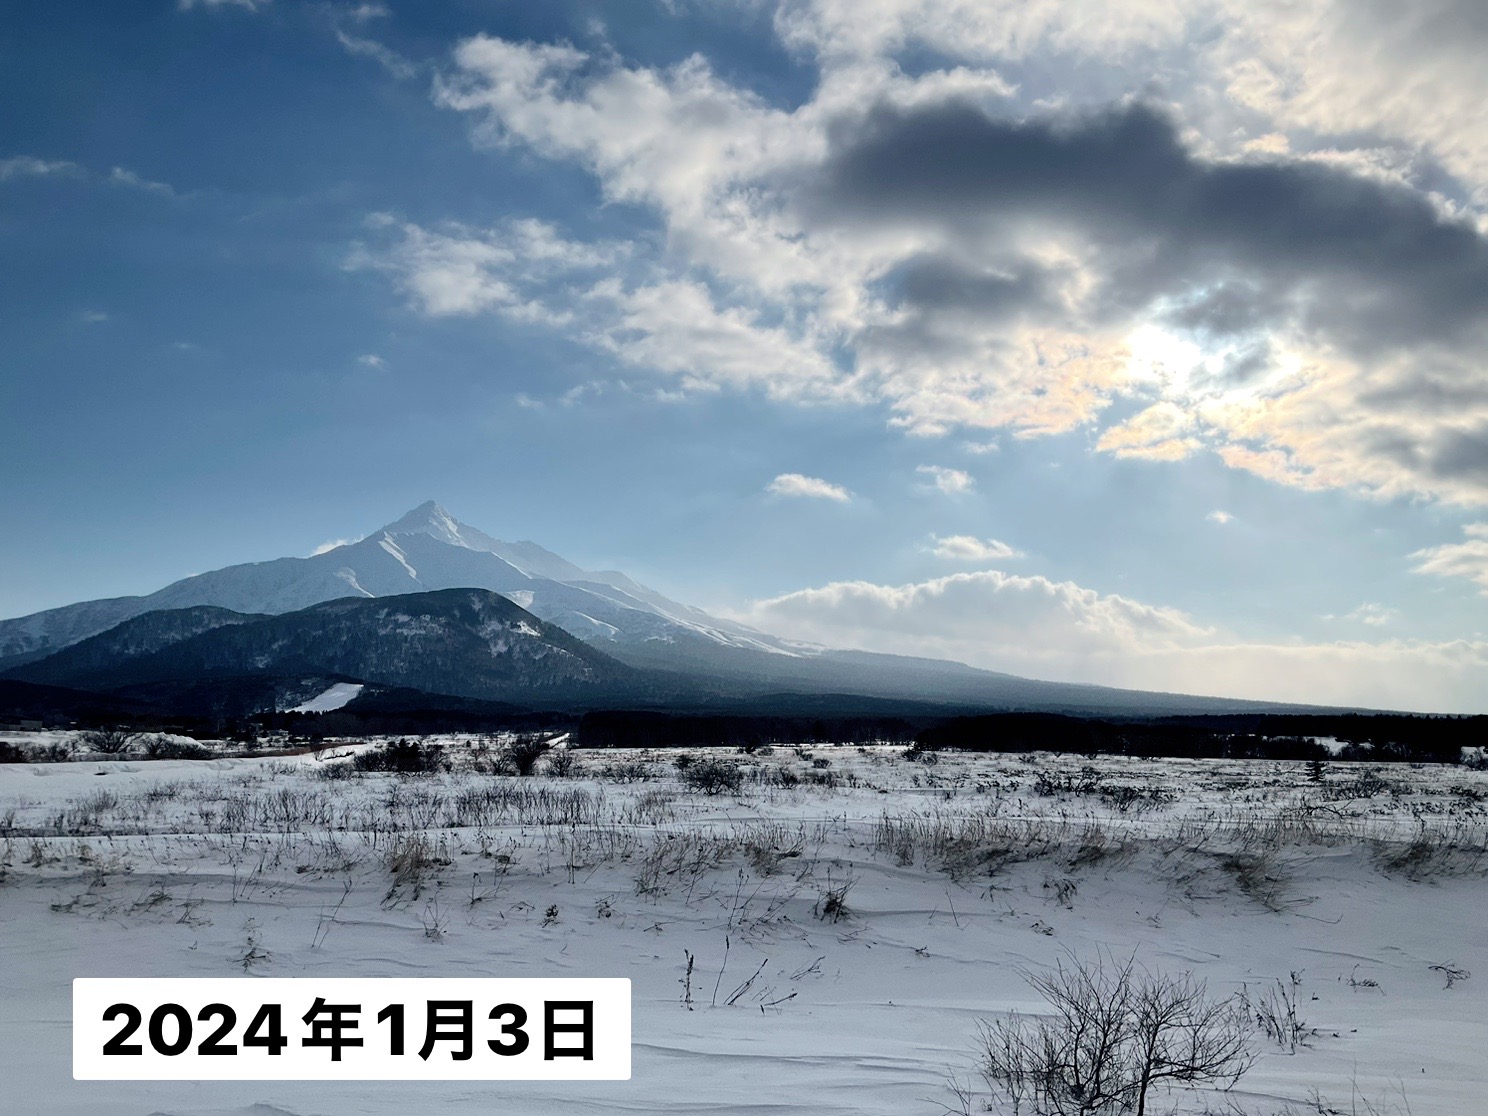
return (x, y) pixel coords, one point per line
(680, 648)
(427, 549)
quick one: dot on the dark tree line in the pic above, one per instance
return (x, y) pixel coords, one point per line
(1381, 738)
(626, 729)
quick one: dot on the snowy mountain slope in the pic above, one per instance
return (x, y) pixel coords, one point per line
(427, 549)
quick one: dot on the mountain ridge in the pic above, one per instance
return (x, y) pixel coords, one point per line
(467, 642)
(423, 550)
(684, 650)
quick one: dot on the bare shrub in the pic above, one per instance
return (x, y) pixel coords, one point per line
(714, 777)
(12, 753)
(412, 860)
(162, 747)
(1276, 1013)
(562, 763)
(1367, 784)
(520, 756)
(831, 906)
(1117, 1035)
(627, 771)
(111, 742)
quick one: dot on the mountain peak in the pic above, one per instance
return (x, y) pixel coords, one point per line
(429, 518)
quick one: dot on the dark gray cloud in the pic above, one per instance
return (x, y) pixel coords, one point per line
(1370, 262)
(1462, 454)
(942, 283)
(937, 295)
(1229, 309)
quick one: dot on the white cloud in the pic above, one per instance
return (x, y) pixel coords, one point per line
(675, 327)
(94, 317)
(251, 5)
(521, 269)
(986, 616)
(1303, 365)
(1219, 516)
(969, 548)
(1037, 627)
(1467, 559)
(371, 360)
(527, 271)
(122, 176)
(811, 488)
(952, 482)
(1375, 615)
(1298, 69)
(1319, 68)
(390, 60)
(332, 545)
(981, 30)
(1160, 433)
(29, 166)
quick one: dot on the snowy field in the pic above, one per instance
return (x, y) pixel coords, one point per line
(852, 914)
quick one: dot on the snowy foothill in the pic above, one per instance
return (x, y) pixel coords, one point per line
(814, 930)
(333, 698)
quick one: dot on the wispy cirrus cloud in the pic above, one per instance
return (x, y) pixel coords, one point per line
(122, 176)
(390, 60)
(30, 166)
(250, 5)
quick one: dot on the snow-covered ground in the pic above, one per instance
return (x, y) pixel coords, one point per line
(1368, 885)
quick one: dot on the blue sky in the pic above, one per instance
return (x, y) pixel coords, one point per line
(1144, 349)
